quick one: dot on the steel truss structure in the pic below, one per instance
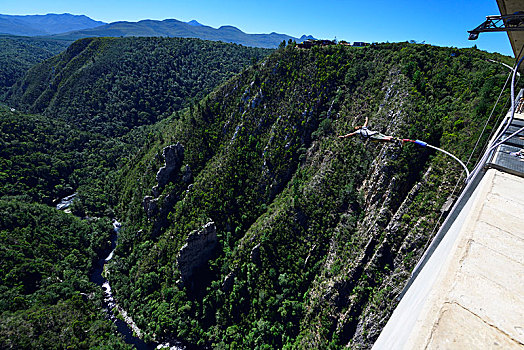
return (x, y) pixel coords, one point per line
(502, 23)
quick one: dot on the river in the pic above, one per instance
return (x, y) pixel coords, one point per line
(110, 306)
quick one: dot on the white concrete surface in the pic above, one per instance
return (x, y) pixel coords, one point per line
(470, 294)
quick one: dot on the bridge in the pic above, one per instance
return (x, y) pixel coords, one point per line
(467, 292)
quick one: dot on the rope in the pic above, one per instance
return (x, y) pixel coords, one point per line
(475, 170)
(452, 156)
(425, 144)
(487, 121)
(437, 223)
(497, 143)
(471, 176)
(497, 120)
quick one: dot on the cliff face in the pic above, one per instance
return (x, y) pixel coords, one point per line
(174, 156)
(314, 235)
(198, 249)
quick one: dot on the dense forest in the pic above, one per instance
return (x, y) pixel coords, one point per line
(111, 85)
(46, 299)
(246, 222)
(44, 157)
(18, 54)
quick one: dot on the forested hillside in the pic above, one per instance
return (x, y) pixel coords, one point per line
(44, 159)
(110, 85)
(46, 299)
(18, 54)
(246, 222)
(249, 224)
(46, 256)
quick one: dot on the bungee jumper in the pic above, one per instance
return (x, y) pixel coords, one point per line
(365, 134)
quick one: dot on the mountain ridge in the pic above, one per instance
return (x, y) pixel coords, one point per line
(174, 28)
(72, 27)
(175, 75)
(194, 23)
(49, 24)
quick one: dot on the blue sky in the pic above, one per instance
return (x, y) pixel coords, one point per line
(443, 23)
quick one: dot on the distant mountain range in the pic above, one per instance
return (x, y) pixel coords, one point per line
(175, 28)
(32, 25)
(71, 27)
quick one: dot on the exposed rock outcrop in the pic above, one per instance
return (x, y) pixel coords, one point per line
(198, 249)
(157, 204)
(174, 156)
(255, 254)
(150, 205)
(187, 175)
(229, 281)
(155, 191)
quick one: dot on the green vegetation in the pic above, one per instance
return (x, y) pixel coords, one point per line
(316, 234)
(106, 87)
(46, 159)
(18, 54)
(111, 85)
(46, 299)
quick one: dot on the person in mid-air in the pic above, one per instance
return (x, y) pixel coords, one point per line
(365, 134)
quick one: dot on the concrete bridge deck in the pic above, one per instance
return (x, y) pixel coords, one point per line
(478, 298)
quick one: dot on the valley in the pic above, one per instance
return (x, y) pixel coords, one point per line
(247, 223)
